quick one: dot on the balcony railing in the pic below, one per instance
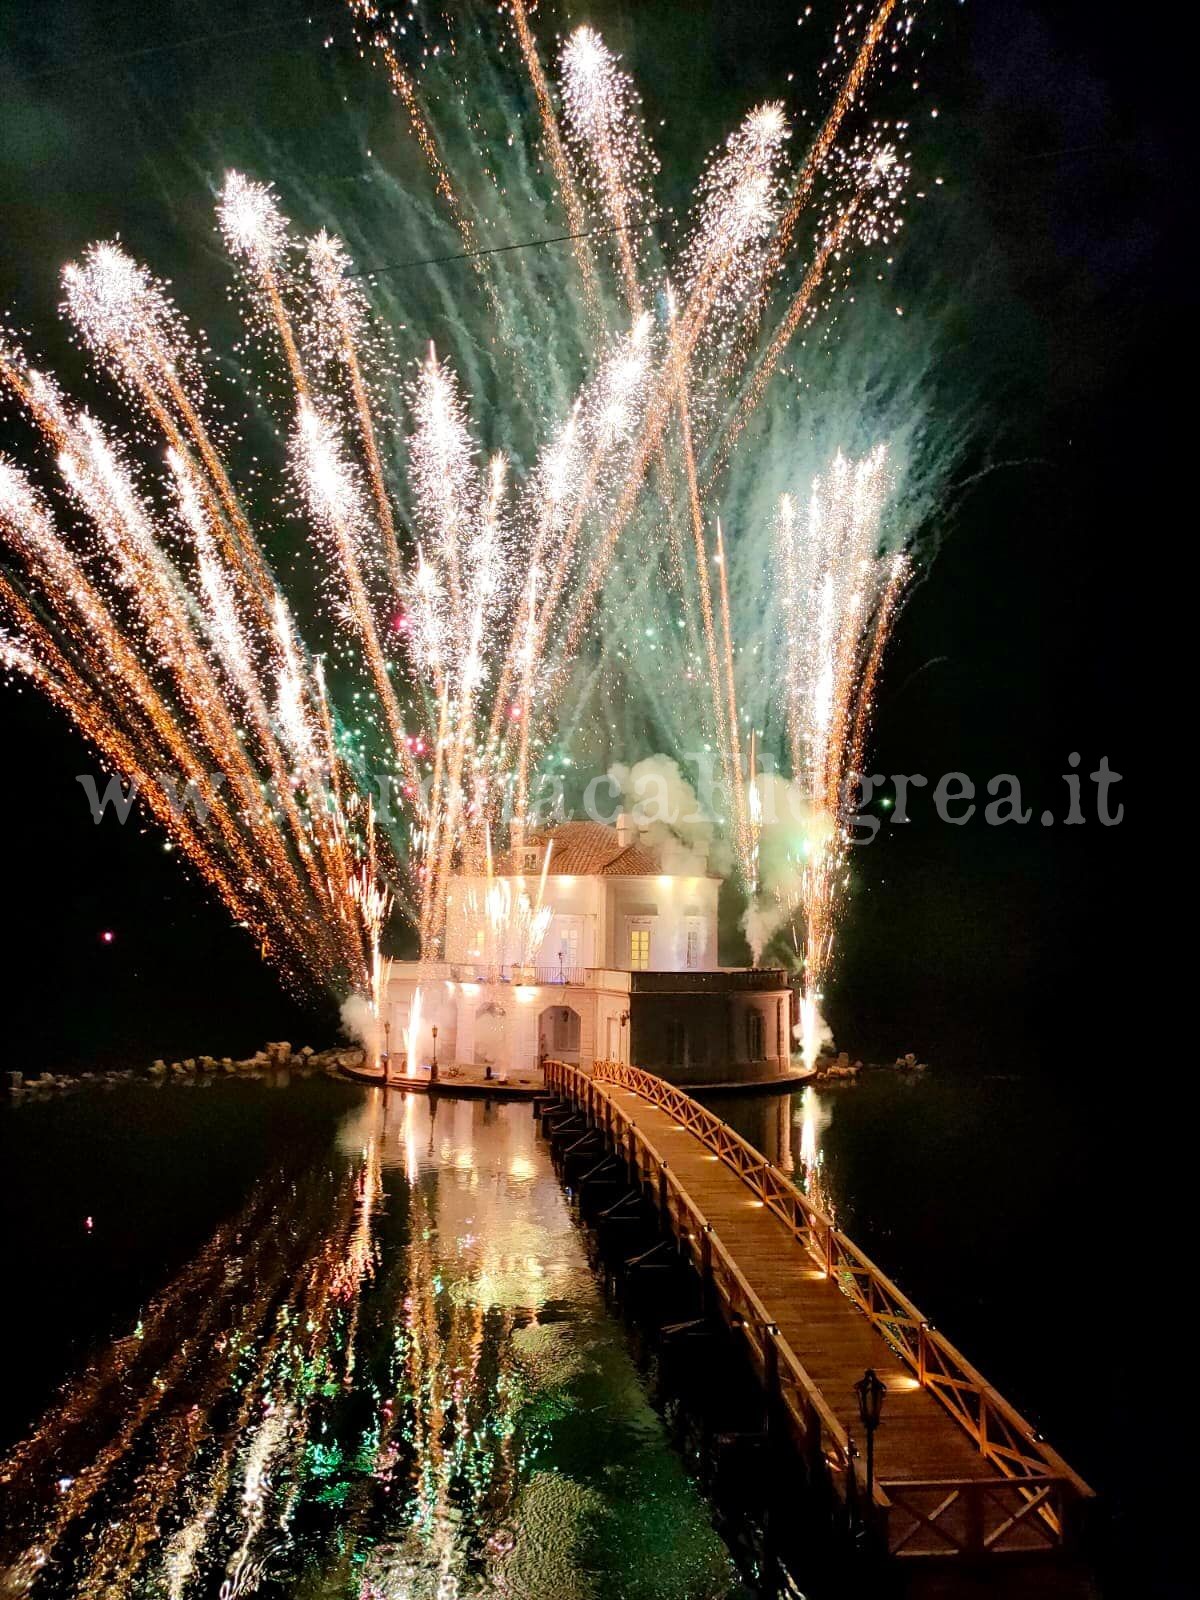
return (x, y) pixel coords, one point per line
(486, 972)
(723, 980)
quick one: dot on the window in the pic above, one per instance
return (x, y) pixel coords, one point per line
(754, 1036)
(568, 945)
(639, 949)
(695, 943)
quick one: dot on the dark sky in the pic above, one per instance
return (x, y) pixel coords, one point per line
(1027, 640)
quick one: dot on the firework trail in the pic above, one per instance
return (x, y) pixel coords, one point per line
(839, 600)
(564, 176)
(820, 150)
(604, 127)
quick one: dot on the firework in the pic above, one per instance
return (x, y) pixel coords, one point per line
(839, 601)
(455, 594)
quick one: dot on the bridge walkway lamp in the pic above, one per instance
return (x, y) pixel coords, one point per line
(433, 1073)
(870, 1391)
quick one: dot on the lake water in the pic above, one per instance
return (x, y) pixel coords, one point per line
(289, 1339)
(281, 1337)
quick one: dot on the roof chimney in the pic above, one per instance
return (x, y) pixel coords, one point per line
(626, 830)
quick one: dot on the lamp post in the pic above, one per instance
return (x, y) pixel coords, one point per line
(387, 1050)
(621, 1046)
(870, 1390)
(433, 1077)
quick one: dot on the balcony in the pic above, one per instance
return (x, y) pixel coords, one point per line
(722, 980)
(531, 976)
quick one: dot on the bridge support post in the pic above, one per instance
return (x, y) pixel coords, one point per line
(708, 1289)
(771, 1380)
(974, 1519)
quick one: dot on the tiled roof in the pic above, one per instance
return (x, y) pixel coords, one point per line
(587, 849)
(635, 861)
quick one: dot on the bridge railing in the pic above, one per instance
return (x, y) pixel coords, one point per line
(1026, 1503)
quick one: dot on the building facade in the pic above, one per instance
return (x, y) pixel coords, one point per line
(581, 946)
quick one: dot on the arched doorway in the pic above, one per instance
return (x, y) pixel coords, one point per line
(559, 1029)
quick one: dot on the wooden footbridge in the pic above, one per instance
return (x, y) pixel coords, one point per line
(959, 1473)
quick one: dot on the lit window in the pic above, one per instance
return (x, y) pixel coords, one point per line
(639, 949)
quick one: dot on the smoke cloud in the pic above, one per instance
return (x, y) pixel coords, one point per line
(670, 817)
(360, 1022)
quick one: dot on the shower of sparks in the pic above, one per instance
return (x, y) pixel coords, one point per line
(453, 596)
(839, 602)
(605, 129)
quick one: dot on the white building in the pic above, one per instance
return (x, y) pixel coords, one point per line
(596, 953)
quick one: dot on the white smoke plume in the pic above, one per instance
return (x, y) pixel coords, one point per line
(360, 1022)
(792, 828)
(669, 816)
(822, 1036)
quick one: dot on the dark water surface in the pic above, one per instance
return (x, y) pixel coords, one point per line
(312, 1344)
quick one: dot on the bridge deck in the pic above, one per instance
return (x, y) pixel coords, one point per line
(918, 1439)
(958, 1471)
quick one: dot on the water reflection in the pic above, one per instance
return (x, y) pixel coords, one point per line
(789, 1129)
(811, 1115)
(389, 1375)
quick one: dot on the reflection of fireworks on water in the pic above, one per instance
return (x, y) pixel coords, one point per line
(451, 605)
(814, 1117)
(298, 1364)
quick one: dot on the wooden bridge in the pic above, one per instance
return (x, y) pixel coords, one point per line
(959, 1473)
